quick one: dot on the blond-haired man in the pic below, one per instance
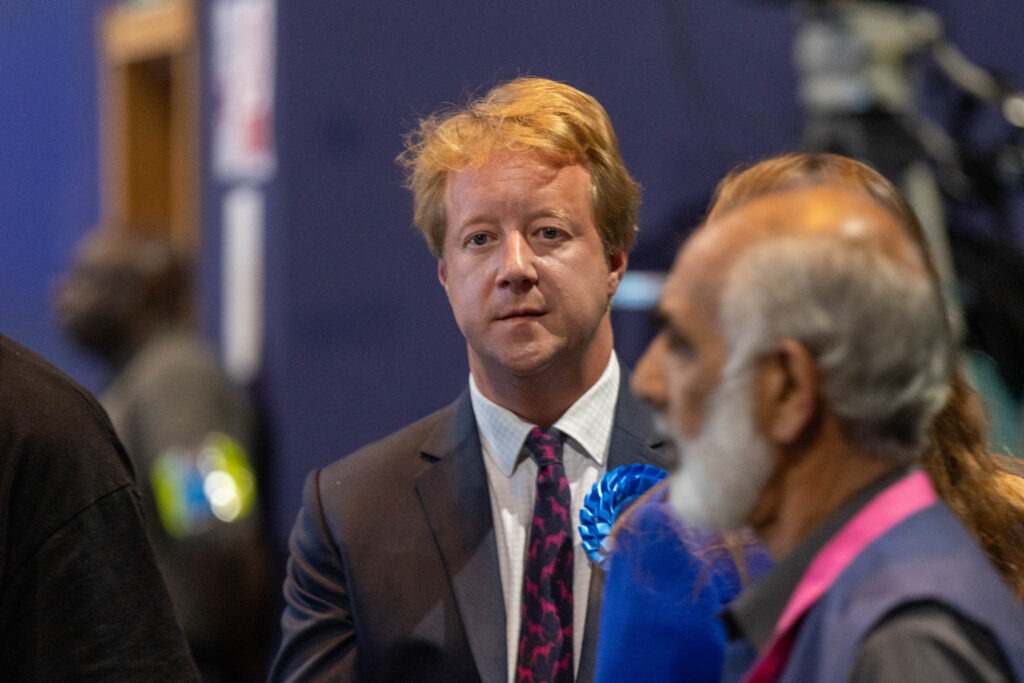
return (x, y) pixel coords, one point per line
(409, 557)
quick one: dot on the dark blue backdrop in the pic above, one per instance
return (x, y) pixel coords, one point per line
(359, 337)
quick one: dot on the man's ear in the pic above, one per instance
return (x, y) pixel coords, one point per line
(789, 389)
(617, 262)
(442, 274)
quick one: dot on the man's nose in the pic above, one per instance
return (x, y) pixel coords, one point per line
(517, 267)
(649, 376)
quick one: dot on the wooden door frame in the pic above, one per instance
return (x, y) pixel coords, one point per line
(149, 119)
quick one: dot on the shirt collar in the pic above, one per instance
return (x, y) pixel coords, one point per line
(587, 422)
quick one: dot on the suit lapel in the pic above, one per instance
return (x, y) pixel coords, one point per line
(633, 440)
(456, 500)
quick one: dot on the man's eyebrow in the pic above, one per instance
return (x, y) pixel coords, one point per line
(475, 220)
(676, 337)
(560, 214)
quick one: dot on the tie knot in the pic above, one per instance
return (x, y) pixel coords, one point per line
(545, 446)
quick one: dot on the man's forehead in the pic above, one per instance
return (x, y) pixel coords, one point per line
(702, 265)
(826, 211)
(694, 281)
(511, 168)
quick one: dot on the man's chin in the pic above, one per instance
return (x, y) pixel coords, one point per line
(702, 506)
(529, 358)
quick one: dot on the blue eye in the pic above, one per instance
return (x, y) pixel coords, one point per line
(479, 239)
(550, 233)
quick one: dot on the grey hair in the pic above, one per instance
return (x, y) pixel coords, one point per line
(876, 328)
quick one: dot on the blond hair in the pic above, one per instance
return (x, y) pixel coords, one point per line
(554, 121)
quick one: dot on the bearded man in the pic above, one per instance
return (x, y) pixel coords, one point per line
(803, 354)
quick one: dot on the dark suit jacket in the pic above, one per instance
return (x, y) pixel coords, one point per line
(393, 574)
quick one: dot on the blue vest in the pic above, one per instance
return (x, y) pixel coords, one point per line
(927, 557)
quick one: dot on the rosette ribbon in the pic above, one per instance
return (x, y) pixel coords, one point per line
(609, 498)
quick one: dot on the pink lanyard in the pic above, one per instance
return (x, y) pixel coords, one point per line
(901, 500)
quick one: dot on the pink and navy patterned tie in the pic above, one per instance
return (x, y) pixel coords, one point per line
(545, 635)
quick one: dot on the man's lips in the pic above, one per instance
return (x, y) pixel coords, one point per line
(521, 313)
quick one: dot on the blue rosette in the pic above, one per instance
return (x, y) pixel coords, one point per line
(608, 498)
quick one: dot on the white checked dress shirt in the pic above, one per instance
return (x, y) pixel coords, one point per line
(512, 474)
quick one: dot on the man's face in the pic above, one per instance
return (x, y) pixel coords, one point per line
(724, 458)
(683, 365)
(724, 469)
(525, 269)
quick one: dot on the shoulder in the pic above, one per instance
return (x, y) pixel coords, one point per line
(173, 358)
(928, 641)
(649, 519)
(401, 451)
(352, 500)
(53, 423)
(58, 453)
(899, 570)
(651, 539)
(652, 525)
(902, 556)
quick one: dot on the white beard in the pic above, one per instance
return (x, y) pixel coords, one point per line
(722, 471)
